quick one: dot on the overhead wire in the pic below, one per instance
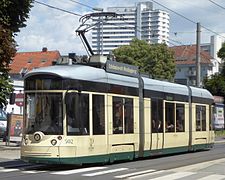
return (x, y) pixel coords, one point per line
(188, 19)
(56, 8)
(76, 14)
(82, 4)
(217, 4)
(190, 50)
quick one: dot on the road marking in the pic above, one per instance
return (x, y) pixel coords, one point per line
(148, 174)
(75, 171)
(214, 176)
(105, 172)
(33, 172)
(8, 170)
(134, 174)
(174, 176)
(198, 166)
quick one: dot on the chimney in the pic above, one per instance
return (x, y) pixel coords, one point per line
(44, 49)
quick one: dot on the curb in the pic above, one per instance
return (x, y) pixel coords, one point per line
(219, 142)
(7, 148)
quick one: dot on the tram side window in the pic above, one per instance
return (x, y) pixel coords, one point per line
(128, 115)
(200, 118)
(157, 115)
(123, 121)
(211, 117)
(180, 118)
(170, 117)
(98, 114)
(77, 109)
(117, 115)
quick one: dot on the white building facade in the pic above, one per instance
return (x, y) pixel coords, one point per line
(140, 21)
(212, 48)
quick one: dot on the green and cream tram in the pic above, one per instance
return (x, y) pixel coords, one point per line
(76, 114)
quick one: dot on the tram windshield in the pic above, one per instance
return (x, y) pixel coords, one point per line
(44, 113)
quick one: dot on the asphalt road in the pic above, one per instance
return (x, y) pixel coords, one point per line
(203, 165)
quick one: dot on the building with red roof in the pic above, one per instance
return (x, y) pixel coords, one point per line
(26, 61)
(186, 64)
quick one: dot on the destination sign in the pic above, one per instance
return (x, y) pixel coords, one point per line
(121, 68)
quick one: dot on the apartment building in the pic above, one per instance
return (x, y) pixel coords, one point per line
(140, 21)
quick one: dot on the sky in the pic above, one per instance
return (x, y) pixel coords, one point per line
(54, 29)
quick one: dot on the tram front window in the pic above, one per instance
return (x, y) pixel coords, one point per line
(44, 113)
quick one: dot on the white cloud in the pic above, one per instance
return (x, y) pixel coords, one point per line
(56, 30)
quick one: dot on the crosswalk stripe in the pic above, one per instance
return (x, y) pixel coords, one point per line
(105, 172)
(213, 176)
(148, 174)
(75, 171)
(8, 170)
(134, 174)
(33, 172)
(174, 176)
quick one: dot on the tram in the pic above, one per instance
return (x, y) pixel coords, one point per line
(78, 114)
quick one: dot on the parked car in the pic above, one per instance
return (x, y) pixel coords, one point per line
(3, 123)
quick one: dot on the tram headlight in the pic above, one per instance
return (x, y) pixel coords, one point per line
(53, 142)
(26, 141)
(59, 137)
(38, 136)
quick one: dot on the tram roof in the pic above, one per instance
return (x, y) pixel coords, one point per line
(89, 73)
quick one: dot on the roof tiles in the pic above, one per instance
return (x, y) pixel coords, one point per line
(31, 60)
(186, 55)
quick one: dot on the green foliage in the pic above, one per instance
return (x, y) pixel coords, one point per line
(216, 83)
(220, 133)
(6, 88)
(221, 52)
(13, 15)
(156, 60)
(7, 51)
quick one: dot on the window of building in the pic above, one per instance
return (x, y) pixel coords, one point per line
(157, 115)
(123, 121)
(170, 117)
(200, 118)
(98, 114)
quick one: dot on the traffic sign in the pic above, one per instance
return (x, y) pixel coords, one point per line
(19, 99)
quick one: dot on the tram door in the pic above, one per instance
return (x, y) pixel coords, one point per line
(157, 136)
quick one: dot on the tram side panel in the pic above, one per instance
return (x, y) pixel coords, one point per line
(176, 126)
(147, 125)
(156, 126)
(203, 137)
(122, 127)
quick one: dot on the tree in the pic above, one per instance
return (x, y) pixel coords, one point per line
(156, 60)
(13, 15)
(216, 83)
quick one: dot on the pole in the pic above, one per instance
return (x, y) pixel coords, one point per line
(198, 58)
(141, 117)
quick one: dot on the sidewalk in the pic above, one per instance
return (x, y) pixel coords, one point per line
(11, 146)
(220, 139)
